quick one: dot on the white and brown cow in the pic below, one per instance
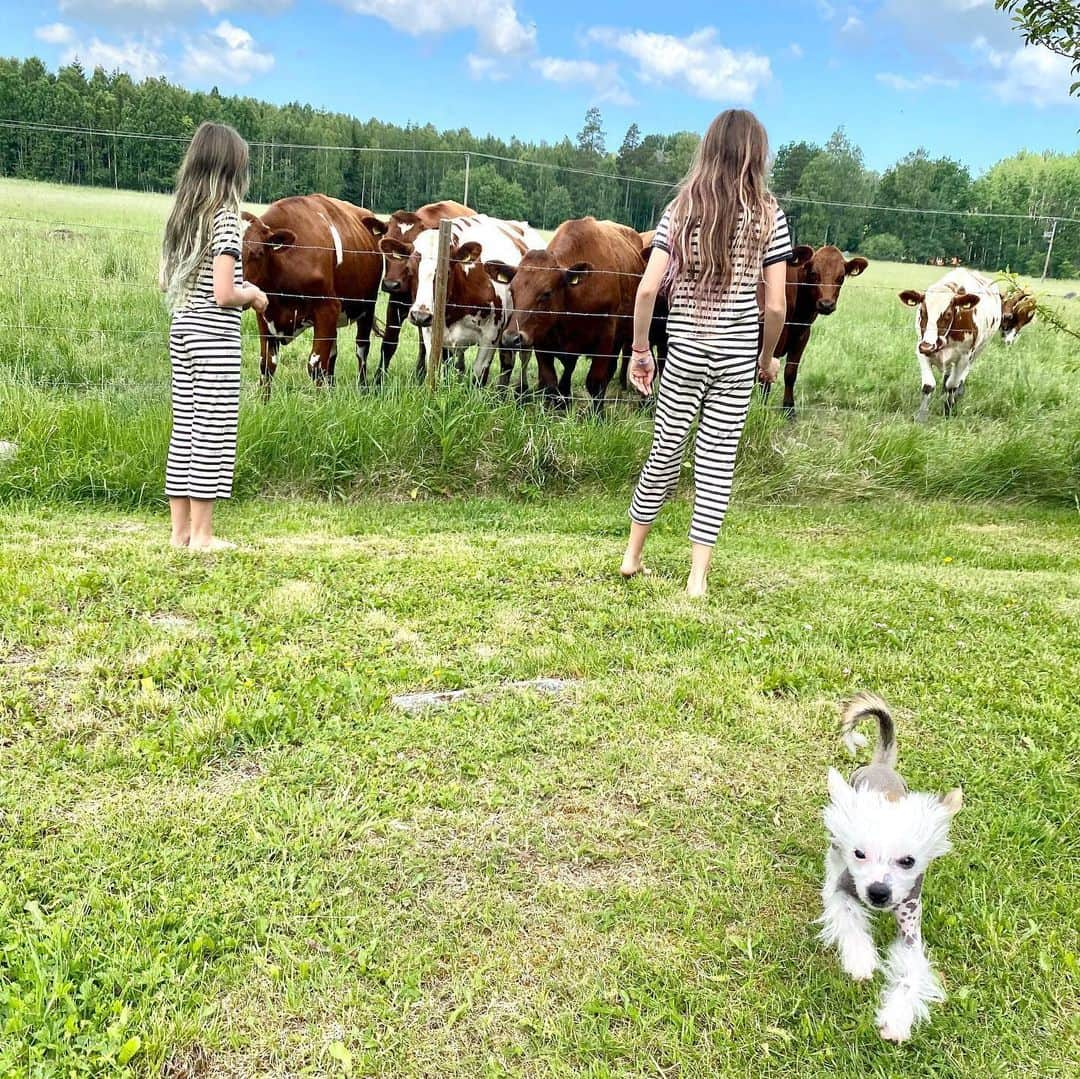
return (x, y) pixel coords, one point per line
(1018, 308)
(399, 280)
(956, 317)
(320, 268)
(478, 305)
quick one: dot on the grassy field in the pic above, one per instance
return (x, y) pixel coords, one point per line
(84, 393)
(226, 854)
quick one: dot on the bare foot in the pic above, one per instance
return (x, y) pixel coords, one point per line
(179, 541)
(211, 544)
(697, 588)
(633, 569)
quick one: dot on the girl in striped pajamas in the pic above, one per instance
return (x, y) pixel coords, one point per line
(721, 238)
(203, 280)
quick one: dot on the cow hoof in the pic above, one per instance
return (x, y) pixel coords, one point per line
(789, 413)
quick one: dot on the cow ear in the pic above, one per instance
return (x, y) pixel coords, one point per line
(952, 801)
(405, 218)
(467, 254)
(855, 266)
(500, 272)
(280, 238)
(966, 301)
(374, 225)
(911, 297)
(801, 255)
(576, 274)
(250, 217)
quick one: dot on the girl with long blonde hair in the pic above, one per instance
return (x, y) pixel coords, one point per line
(721, 240)
(203, 281)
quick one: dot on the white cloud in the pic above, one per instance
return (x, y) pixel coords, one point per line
(698, 63)
(56, 33)
(226, 54)
(486, 67)
(140, 58)
(498, 27)
(853, 25)
(1030, 75)
(128, 11)
(602, 79)
(825, 9)
(795, 50)
(919, 82)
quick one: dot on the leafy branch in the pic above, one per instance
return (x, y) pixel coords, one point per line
(1054, 24)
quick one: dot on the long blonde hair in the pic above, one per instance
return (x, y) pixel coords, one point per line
(213, 174)
(725, 204)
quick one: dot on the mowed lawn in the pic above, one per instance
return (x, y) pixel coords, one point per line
(226, 854)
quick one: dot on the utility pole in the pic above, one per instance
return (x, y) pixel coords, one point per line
(467, 163)
(1049, 235)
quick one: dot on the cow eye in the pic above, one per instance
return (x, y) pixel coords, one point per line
(907, 862)
(545, 296)
(860, 855)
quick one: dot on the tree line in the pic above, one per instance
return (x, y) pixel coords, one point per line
(406, 166)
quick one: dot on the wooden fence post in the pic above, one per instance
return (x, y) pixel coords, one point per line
(438, 319)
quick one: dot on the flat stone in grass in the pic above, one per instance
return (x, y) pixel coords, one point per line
(418, 702)
(8, 450)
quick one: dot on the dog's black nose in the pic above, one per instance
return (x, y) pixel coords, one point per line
(878, 894)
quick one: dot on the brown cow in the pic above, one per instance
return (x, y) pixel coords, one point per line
(1018, 308)
(575, 298)
(814, 280)
(320, 267)
(399, 277)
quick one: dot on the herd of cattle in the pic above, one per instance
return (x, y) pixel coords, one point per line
(322, 261)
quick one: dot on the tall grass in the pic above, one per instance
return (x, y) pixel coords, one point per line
(84, 394)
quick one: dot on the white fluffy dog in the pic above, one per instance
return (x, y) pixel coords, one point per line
(882, 838)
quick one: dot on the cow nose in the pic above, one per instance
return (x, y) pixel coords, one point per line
(420, 316)
(826, 307)
(878, 894)
(926, 348)
(391, 286)
(514, 339)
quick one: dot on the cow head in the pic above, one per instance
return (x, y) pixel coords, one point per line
(399, 275)
(376, 227)
(263, 246)
(1017, 310)
(469, 289)
(820, 275)
(541, 291)
(404, 226)
(943, 312)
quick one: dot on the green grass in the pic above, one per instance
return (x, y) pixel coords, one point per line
(84, 393)
(223, 849)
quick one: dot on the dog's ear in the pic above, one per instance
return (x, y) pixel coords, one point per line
(839, 789)
(953, 801)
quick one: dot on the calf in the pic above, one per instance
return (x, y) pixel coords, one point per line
(399, 277)
(478, 304)
(576, 298)
(319, 268)
(955, 318)
(814, 281)
(1018, 308)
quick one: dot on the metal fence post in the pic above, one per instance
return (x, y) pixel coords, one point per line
(468, 162)
(438, 321)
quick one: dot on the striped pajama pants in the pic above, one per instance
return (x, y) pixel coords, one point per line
(709, 381)
(204, 348)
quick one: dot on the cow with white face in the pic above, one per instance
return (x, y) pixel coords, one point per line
(955, 318)
(478, 305)
(1018, 308)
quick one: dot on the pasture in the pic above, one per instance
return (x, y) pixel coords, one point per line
(84, 391)
(226, 853)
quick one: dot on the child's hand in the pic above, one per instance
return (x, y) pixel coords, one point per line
(259, 301)
(768, 368)
(642, 369)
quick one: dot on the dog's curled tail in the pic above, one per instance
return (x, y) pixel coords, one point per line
(868, 704)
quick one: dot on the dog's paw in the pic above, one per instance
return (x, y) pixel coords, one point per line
(894, 1021)
(859, 960)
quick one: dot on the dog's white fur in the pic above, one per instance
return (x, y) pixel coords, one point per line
(885, 830)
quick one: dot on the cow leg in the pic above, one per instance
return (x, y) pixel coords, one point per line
(928, 386)
(791, 373)
(955, 384)
(601, 371)
(268, 350)
(549, 383)
(482, 364)
(566, 382)
(395, 315)
(523, 373)
(506, 367)
(364, 325)
(422, 354)
(324, 346)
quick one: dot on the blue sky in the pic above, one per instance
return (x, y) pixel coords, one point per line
(949, 75)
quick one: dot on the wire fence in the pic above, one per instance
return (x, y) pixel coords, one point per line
(25, 327)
